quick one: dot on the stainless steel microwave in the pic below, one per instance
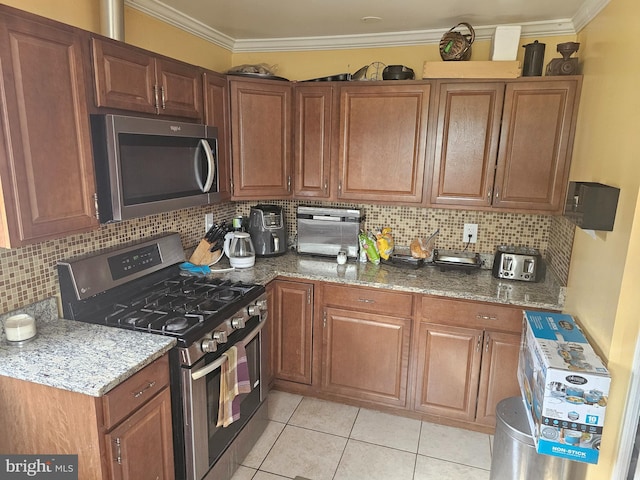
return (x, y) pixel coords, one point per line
(146, 166)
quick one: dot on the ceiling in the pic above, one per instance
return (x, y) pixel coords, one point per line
(263, 25)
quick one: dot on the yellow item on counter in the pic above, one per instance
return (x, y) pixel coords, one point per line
(385, 243)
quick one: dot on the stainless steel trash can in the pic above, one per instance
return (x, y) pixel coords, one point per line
(514, 453)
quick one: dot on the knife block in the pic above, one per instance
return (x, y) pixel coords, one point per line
(202, 256)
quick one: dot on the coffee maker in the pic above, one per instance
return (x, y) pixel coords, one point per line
(268, 230)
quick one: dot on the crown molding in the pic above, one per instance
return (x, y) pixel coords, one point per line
(160, 11)
(166, 14)
(588, 12)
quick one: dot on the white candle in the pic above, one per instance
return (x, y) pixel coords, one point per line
(19, 327)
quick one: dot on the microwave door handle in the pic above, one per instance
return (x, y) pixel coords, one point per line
(206, 370)
(206, 186)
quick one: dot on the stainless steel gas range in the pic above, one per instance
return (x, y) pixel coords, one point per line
(141, 287)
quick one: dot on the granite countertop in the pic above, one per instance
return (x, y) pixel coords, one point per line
(76, 356)
(92, 359)
(478, 285)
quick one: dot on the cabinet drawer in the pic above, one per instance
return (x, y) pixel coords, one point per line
(369, 300)
(135, 391)
(471, 314)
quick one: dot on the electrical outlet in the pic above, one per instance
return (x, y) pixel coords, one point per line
(470, 233)
(208, 221)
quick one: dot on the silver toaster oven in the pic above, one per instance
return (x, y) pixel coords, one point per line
(518, 263)
(326, 231)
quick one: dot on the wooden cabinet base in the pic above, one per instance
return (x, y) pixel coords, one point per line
(38, 419)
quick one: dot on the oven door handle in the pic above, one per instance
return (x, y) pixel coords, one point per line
(204, 371)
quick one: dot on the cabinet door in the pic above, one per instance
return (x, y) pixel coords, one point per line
(313, 107)
(448, 369)
(498, 379)
(124, 77)
(382, 137)
(142, 446)
(467, 133)
(292, 323)
(261, 140)
(216, 102)
(180, 87)
(46, 166)
(535, 144)
(366, 356)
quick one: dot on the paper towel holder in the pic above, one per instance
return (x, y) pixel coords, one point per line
(591, 205)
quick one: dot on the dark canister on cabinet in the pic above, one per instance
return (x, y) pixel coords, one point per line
(533, 59)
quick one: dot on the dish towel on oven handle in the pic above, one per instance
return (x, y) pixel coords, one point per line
(234, 380)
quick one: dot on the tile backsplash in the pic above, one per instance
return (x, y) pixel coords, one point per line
(28, 274)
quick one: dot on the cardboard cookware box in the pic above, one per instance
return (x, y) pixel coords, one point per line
(565, 386)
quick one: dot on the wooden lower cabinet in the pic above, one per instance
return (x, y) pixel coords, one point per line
(448, 371)
(365, 356)
(123, 435)
(498, 379)
(467, 358)
(141, 447)
(440, 359)
(291, 336)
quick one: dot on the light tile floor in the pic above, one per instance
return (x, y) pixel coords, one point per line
(322, 440)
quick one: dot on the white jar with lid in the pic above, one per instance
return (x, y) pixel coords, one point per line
(19, 328)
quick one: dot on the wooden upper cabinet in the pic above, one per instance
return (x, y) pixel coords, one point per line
(129, 78)
(261, 140)
(382, 142)
(313, 109)
(216, 113)
(467, 132)
(46, 166)
(536, 144)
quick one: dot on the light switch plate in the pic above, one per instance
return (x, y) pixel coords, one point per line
(208, 221)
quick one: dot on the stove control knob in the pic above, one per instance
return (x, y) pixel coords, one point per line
(262, 305)
(254, 310)
(209, 345)
(238, 322)
(220, 337)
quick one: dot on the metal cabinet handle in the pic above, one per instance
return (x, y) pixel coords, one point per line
(497, 193)
(156, 103)
(479, 344)
(489, 193)
(326, 186)
(141, 392)
(118, 452)
(366, 300)
(164, 103)
(482, 316)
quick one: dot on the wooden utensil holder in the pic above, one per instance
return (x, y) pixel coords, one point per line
(202, 256)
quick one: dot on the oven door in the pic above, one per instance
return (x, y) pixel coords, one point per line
(204, 442)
